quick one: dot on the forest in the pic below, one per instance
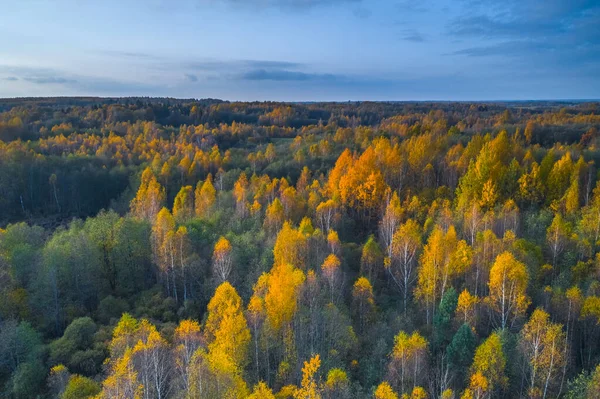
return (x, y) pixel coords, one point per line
(172, 248)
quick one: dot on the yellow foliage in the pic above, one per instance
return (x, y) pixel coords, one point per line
(284, 284)
(385, 391)
(507, 288)
(205, 197)
(261, 391)
(489, 361)
(290, 246)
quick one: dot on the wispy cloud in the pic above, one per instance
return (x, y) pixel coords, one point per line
(285, 4)
(44, 80)
(11, 79)
(564, 34)
(412, 35)
(284, 75)
(190, 77)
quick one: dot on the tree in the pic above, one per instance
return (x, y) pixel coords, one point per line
(187, 339)
(465, 307)
(337, 384)
(226, 329)
(122, 382)
(261, 391)
(222, 260)
(444, 258)
(240, 193)
(283, 286)
(371, 258)
(183, 206)
(164, 248)
(489, 362)
(406, 243)
(508, 284)
(274, 216)
(290, 246)
(310, 387)
(442, 322)
(331, 271)
(544, 346)
(390, 222)
(385, 391)
(364, 301)
(204, 197)
(182, 246)
(80, 387)
(557, 236)
(461, 350)
(151, 358)
(408, 359)
(593, 386)
(327, 214)
(149, 198)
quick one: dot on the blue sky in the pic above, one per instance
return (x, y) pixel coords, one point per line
(302, 50)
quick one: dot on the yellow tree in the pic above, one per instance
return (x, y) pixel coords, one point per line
(385, 391)
(204, 197)
(226, 329)
(122, 382)
(337, 384)
(408, 359)
(222, 260)
(507, 288)
(406, 243)
(478, 387)
(152, 357)
(261, 391)
(164, 248)
(149, 198)
(182, 245)
(489, 361)
(390, 222)
(281, 297)
(256, 315)
(364, 301)
(444, 258)
(544, 345)
(310, 386)
(327, 214)
(290, 246)
(187, 339)
(274, 217)
(330, 269)
(183, 205)
(466, 307)
(240, 193)
(333, 241)
(557, 236)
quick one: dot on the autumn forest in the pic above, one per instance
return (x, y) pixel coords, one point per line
(164, 248)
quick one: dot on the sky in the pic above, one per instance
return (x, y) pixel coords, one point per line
(302, 50)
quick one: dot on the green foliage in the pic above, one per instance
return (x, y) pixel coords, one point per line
(80, 388)
(442, 328)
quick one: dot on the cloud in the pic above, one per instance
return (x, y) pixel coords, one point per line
(11, 79)
(132, 55)
(228, 65)
(191, 77)
(556, 36)
(284, 75)
(43, 80)
(286, 4)
(412, 35)
(63, 83)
